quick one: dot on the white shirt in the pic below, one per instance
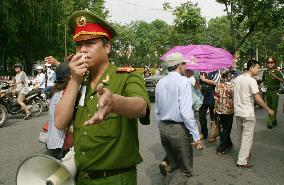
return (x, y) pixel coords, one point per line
(174, 102)
(55, 137)
(23, 86)
(245, 87)
(50, 77)
(40, 79)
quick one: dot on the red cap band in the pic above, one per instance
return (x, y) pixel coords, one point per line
(91, 29)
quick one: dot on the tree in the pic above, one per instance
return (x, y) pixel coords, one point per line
(31, 30)
(188, 22)
(248, 17)
(218, 33)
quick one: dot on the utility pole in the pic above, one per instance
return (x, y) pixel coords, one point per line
(256, 53)
(65, 40)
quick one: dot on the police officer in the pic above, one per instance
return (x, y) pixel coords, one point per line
(110, 102)
(272, 78)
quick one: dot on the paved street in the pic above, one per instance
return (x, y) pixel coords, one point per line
(18, 140)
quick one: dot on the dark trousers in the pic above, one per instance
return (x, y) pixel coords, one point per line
(176, 142)
(272, 98)
(202, 117)
(226, 121)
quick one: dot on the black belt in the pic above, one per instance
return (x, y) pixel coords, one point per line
(105, 173)
(171, 122)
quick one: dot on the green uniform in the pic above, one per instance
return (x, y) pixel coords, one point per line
(272, 94)
(113, 143)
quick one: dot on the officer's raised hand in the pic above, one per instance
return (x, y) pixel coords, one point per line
(78, 67)
(105, 102)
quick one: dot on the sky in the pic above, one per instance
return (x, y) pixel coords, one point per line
(125, 11)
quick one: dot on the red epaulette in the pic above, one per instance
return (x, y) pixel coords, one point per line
(125, 70)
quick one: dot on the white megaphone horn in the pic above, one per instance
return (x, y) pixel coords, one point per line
(46, 170)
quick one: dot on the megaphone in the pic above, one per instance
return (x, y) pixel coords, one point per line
(263, 88)
(45, 170)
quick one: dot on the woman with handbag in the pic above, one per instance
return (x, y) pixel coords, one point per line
(57, 138)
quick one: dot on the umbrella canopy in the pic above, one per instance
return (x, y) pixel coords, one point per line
(203, 58)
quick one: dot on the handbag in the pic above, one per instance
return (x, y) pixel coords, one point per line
(214, 128)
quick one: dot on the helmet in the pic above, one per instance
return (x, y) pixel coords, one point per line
(62, 71)
(47, 65)
(18, 65)
(39, 68)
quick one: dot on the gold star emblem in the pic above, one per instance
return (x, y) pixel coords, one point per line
(81, 21)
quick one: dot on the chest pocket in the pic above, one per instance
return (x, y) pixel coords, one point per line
(109, 128)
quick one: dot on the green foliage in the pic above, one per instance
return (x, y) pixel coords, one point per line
(188, 18)
(248, 17)
(31, 30)
(218, 33)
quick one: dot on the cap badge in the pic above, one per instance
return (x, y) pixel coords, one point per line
(81, 21)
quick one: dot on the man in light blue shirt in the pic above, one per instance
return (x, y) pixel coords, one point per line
(176, 121)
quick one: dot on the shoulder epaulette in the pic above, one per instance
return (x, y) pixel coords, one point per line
(125, 70)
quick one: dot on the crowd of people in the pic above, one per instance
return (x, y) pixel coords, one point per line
(103, 103)
(226, 95)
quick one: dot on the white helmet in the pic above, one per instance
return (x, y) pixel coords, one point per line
(39, 67)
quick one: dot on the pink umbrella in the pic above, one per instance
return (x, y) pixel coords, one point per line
(203, 58)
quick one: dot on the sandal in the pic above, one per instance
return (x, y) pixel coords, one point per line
(28, 116)
(163, 169)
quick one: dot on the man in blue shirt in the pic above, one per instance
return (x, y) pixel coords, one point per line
(175, 119)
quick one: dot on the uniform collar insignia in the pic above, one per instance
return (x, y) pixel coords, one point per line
(105, 81)
(125, 70)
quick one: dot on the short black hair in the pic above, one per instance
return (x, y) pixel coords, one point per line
(104, 41)
(252, 63)
(172, 68)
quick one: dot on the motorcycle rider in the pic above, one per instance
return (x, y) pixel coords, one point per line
(50, 79)
(21, 82)
(39, 81)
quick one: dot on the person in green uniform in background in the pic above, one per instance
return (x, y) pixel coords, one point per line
(272, 78)
(111, 99)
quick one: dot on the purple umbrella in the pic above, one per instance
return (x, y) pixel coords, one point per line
(203, 58)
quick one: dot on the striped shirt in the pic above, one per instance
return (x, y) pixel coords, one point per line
(55, 137)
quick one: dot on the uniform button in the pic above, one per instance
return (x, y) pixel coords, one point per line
(91, 97)
(83, 153)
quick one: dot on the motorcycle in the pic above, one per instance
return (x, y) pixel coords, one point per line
(9, 105)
